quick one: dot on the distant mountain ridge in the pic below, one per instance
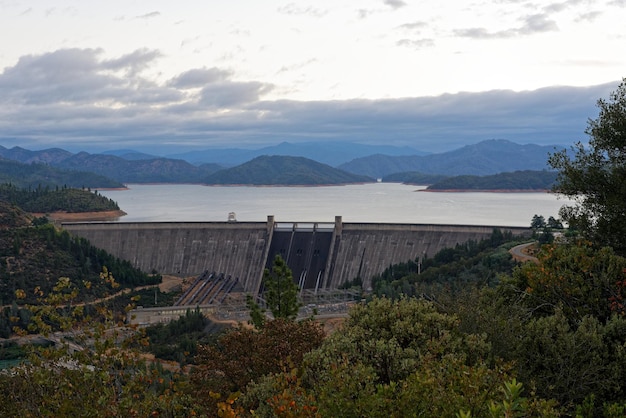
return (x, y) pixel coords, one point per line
(284, 170)
(483, 158)
(330, 153)
(155, 170)
(128, 166)
(24, 175)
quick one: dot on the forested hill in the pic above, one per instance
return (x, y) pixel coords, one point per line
(153, 170)
(518, 180)
(33, 259)
(25, 175)
(283, 170)
(484, 158)
(45, 200)
(157, 170)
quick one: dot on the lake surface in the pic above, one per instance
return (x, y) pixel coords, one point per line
(377, 202)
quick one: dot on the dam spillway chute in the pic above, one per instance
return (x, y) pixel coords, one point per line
(210, 288)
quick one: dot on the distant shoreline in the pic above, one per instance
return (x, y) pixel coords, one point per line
(485, 190)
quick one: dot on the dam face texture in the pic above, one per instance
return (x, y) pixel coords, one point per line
(320, 255)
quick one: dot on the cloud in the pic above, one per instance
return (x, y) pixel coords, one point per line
(537, 23)
(589, 16)
(134, 62)
(230, 94)
(395, 4)
(76, 99)
(78, 76)
(150, 15)
(363, 13)
(293, 9)
(199, 77)
(297, 66)
(416, 43)
(414, 25)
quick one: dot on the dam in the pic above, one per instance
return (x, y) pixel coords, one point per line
(322, 256)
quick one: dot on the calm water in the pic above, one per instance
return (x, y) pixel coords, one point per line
(378, 202)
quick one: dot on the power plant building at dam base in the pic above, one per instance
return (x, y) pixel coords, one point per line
(320, 255)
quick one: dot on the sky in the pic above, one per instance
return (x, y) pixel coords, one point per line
(163, 76)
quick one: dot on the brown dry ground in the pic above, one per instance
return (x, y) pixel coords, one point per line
(58, 217)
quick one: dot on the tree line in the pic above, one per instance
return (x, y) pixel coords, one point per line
(46, 199)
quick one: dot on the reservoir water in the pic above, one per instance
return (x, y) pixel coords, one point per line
(376, 202)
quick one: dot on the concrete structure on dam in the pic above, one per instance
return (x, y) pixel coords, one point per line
(321, 255)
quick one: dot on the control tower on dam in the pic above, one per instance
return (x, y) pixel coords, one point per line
(320, 255)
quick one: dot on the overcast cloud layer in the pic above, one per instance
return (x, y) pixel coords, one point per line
(76, 98)
(175, 76)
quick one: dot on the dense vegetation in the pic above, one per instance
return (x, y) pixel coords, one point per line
(32, 259)
(41, 175)
(469, 265)
(518, 180)
(45, 200)
(595, 175)
(179, 340)
(282, 170)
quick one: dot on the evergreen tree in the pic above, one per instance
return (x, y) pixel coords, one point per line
(595, 176)
(281, 293)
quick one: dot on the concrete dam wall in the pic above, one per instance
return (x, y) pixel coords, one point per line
(320, 255)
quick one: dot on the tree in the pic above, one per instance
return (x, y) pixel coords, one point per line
(243, 355)
(281, 293)
(594, 177)
(538, 222)
(554, 223)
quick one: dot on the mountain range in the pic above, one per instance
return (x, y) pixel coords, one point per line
(128, 166)
(330, 153)
(483, 158)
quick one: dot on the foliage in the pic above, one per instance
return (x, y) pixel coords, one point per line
(595, 176)
(44, 199)
(538, 222)
(392, 337)
(577, 279)
(243, 355)
(31, 259)
(450, 270)
(178, 340)
(281, 292)
(561, 321)
(393, 358)
(88, 372)
(30, 255)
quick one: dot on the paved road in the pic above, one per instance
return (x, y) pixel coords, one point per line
(519, 255)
